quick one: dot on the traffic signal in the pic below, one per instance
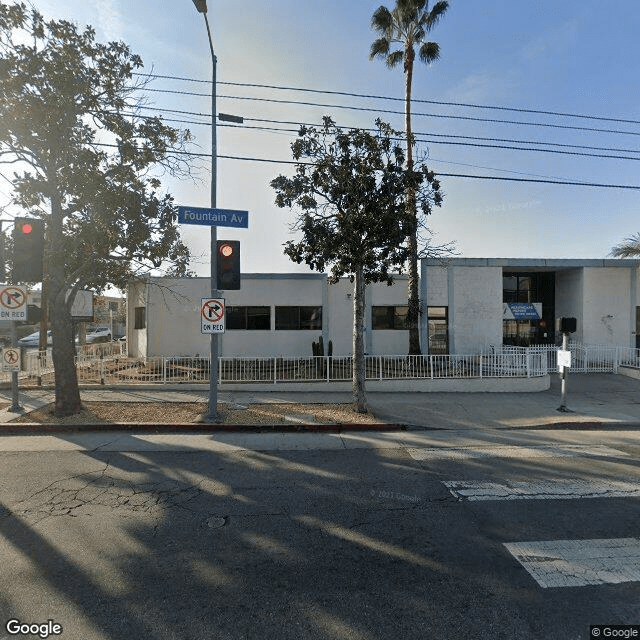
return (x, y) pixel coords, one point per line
(568, 325)
(28, 250)
(228, 263)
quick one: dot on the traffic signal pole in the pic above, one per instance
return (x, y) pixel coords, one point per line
(212, 412)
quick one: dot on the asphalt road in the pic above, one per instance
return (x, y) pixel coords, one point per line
(352, 537)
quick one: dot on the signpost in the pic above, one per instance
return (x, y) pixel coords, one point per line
(212, 315)
(11, 359)
(213, 217)
(13, 306)
(13, 303)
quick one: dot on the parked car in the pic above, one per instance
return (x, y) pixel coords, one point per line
(99, 334)
(33, 340)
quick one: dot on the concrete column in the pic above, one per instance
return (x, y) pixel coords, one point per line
(451, 274)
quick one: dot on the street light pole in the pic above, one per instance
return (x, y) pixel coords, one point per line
(212, 413)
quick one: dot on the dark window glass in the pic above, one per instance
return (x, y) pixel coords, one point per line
(310, 318)
(298, 318)
(287, 318)
(400, 317)
(438, 330)
(140, 318)
(389, 317)
(382, 317)
(248, 318)
(235, 318)
(259, 318)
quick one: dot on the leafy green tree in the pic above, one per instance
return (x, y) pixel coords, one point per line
(408, 25)
(83, 160)
(348, 193)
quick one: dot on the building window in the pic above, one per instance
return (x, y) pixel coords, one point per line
(438, 322)
(140, 318)
(248, 318)
(298, 318)
(389, 317)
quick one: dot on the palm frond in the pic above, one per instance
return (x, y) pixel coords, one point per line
(379, 48)
(628, 248)
(382, 21)
(395, 58)
(429, 52)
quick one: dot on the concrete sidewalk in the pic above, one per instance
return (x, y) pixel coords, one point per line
(596, 400)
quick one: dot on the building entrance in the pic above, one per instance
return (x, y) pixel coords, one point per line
(537, 289)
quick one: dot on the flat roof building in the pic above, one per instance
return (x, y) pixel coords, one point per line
(467, 304)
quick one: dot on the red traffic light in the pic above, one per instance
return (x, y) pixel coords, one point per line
(26, 228)
(226, 250)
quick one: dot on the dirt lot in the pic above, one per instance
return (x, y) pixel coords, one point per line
(190, 412)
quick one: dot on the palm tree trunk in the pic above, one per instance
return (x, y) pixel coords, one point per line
(413, 312)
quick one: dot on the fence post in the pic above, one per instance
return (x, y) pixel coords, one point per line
(480, 363)
(380, 366)
(431, 366)
(275, 370)
(528, 362)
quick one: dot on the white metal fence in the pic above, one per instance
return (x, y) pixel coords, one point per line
(108, 364)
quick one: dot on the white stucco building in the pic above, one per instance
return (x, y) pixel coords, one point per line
(468, 304)
(271, 315)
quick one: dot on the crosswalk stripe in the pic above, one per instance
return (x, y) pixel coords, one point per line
(512, 452)
(578, 563)
(560, 489)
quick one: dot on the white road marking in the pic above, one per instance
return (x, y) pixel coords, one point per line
(512, 451)
(577, 563)
(542, 489)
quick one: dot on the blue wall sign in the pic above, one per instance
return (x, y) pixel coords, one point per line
(213, 217)
(523, 311)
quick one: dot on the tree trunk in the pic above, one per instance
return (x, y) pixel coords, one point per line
(67, 401)
(359, 397)
(413, 312)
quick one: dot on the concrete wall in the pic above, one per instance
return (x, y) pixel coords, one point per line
(387, 341)
(136, 338)
(607, 307)
(569, 301)
(475, 308)
(173, 320)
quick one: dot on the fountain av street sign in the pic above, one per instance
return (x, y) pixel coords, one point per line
(213, 217)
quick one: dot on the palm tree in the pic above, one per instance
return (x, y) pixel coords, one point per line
(628, 248)
(407, 25)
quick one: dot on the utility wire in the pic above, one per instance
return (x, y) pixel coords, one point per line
(378, 97)
(418, 138)
(446, 175)
(435, 135)
(391, 111)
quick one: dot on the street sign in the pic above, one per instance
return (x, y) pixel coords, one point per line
(13, 303)
(213, 217)
(212, 315)
(11, 359)
(564, 359)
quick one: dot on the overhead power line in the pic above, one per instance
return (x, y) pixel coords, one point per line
(445, 142)
(379, 97)
(395, 112)
(439, 174)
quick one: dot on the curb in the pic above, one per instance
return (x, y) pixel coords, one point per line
(36, 428)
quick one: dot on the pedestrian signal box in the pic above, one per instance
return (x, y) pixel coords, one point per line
(228, 265)
(567, 325)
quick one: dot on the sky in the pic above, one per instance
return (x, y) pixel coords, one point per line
(502, 62)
